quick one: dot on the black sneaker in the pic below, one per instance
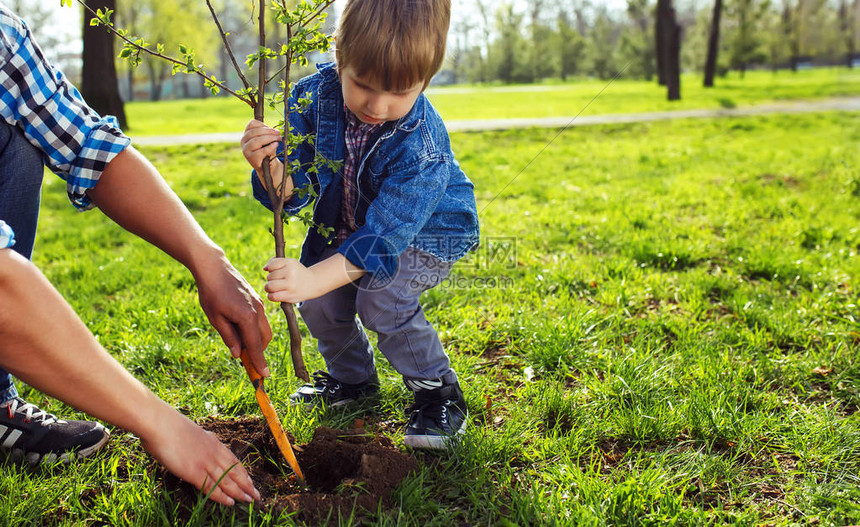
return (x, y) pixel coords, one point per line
(330, 391)
(28, 433)
(438, 415)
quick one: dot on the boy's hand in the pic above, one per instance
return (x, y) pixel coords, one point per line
(290, 281)
(259, 141)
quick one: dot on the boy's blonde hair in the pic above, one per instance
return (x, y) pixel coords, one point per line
(397, 43)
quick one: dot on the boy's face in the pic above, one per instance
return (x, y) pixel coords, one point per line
(373, 105)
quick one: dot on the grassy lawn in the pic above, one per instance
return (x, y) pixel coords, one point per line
(661, 327)
(545, 100)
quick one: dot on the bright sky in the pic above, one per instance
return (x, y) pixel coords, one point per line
(66, 23)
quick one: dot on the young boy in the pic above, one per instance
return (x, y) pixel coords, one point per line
(402, 210)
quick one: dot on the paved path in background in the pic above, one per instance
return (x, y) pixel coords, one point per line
(851, 104)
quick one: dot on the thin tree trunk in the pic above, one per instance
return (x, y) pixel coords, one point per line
(668, 49)
(277, 198)
(130, 84)
(673, 69)
(660, 46)
(99, 81)
(790, 32)
(713, 45)
(847, 30)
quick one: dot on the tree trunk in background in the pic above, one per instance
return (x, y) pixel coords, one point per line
(660, 31)
(713, 45)
(673, 67)
(99, 82)
(156, 81)
(668, 49)
(790, 33)
(846, 27)
(484, 52)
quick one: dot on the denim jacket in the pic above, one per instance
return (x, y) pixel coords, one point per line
(411, 190)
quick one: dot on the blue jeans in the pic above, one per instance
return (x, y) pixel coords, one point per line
(21, 169)
(405, 337)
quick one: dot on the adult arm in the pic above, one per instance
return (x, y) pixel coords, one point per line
(92, 155)
(34, 318)
(133, 194)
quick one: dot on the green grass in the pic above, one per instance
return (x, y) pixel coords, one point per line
(663, 320)
(542, 100)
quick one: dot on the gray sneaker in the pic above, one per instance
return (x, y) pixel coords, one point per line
(28, 433)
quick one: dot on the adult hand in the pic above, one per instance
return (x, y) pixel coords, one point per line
(235, 310)
(196, 456)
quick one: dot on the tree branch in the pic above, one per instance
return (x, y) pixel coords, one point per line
(259, 108)
(214, 81)
(276, 74)
(318, 12)
(229, 49)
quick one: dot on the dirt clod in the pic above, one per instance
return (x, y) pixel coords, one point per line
(345, 470)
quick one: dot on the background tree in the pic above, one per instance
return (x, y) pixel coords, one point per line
(602, 43)
(697, 26)
(99, 83)
(774, 46)
(581, 10)
(507, 51)
(460, 52)
(540, 34)
(636, 46)
(485, 19)
(791, 30)
(129, 15)
(745, 45)
(848, 16)
(170, 22)
(571, 47)
(713, 45)
(818, 29)
(668, 48)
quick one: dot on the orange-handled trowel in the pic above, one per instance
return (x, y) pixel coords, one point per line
(271, 417)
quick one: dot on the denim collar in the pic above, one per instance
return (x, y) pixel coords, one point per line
(330, 89)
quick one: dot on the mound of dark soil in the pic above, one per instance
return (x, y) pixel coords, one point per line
(345, 470)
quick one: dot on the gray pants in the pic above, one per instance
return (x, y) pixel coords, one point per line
(405, 337)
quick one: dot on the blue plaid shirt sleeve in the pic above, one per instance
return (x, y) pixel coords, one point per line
(7, 237)
(77, 142)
